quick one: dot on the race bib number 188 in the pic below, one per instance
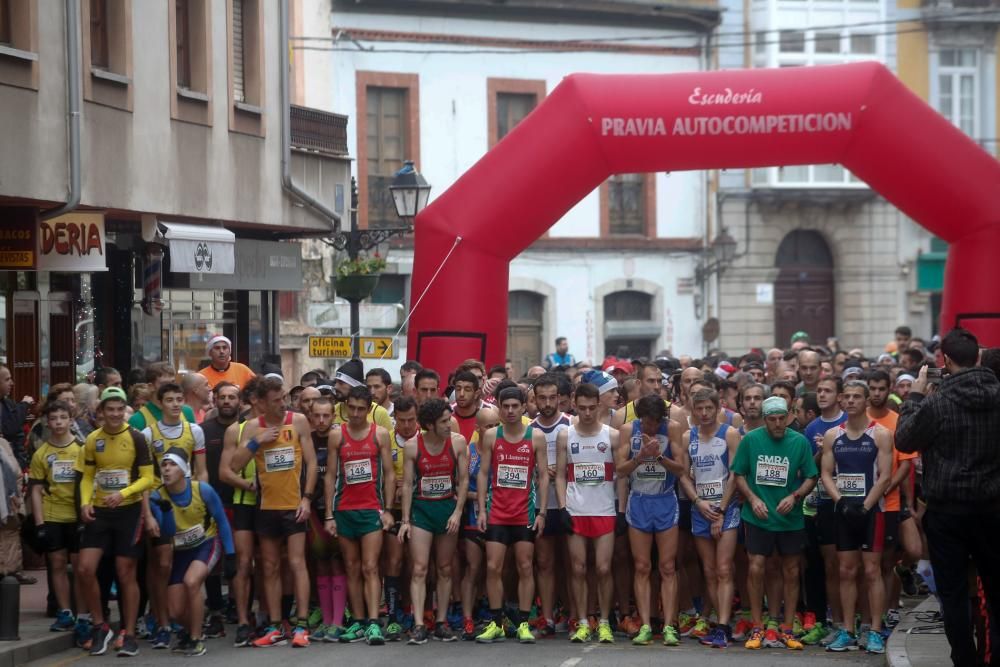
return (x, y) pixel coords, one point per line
(772, 474)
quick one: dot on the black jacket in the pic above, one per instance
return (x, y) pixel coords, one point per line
(12, 428)
(957, 432)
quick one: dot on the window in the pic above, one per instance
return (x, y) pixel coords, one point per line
(629, 328)
(958, 88)
(628, 305)
(792, 41)
(863, 44)
(524, 330)
(288, 305)
(5, 28)
(182, 41)
(239, 92)
(386, 150)
(826, 42)
(99, 34)
(246, 64)
(760, 42)
(511, 110)
(626, 204)
(391, 288)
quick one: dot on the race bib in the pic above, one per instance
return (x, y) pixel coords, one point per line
(192, 537)
(110, 481)
(588, 473)
(63, 473)
(435, 487)
(512, 477)
(279, 459)
(651, 471)
(852, 485)
(821, 493)
(710, 490)
(358, 472)
(772, 474)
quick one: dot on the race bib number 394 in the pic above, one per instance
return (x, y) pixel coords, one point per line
(512, 477)
(772, 474)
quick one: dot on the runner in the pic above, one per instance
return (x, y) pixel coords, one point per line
(280, 444)
(352, 374)
(157, 375)
(752, 398)
(715, 517)
(774, 472)
(652, 457)
(378, 382)
(435, 484)
(196, 394)
(859, 454)
(116, 468)
(52, 480)
(585, 490)
(552, 542)
(222, 367)
(808, 368)
(243, 484)
(507, 509)
(405, 416)
(191, 515)
(359, 478)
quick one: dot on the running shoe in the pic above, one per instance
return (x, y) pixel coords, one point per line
(273, 635)
(454, 616)
(100, 638)
(630, 626)
(129, 647)
(300, 637)
(604, 633)
(808, 621)
(407, 622)
(120, 640)
(354, 633)
(64, 622)
(373, 634)
(443, 633)
(844, 642)
(670, 637)
(645, 636)
(468, 630)
(700, 629)
(718, 638)
(315, 617)
(418, 636)
(183, 643)
(892, 618)
(491, 633)
(524, 634)
(906, 580)
(756, 640)
(789, 640)
(831, 636)
(798, 628)
(161, 639)
(393, 632)
(562, 625)
(686, 623)
(196, 649)
(81, 633)
(862, 635)
(215, 628)
(742, 630)
(815, 635)
(771, 638)
(145, 627)
(242, 636)
(319, 633)
(875, 643)
(582, 634)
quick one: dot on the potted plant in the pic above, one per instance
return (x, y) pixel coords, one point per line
(357, 278)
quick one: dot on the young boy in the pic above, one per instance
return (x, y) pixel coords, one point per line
(53, 486)
(191, 514)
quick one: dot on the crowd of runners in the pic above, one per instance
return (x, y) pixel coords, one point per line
(757, 500)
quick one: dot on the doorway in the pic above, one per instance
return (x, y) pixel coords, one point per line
(803, 292)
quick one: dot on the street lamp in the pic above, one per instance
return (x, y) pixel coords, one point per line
(410, 193)
(722, 252)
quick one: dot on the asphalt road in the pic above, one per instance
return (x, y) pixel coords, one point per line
(556, 652)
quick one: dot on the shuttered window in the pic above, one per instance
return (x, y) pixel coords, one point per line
(239, 89)
(99, 34)
(183, 39)
(5, 30)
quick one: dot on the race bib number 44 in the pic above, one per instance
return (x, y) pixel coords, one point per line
(651, 471)
(110, 481)
(358, 472)
(772, 474)
(512, 477)
(435, 487)
(279, 459)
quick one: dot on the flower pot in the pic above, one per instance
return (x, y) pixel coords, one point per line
(356, 288)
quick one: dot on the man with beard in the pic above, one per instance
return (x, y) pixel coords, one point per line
(378, 381)
(227, 410)
(352, 374)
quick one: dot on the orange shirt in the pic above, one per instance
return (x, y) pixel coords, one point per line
(236, 373)
(892, 499)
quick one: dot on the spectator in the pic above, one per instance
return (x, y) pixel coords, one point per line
(955, 432)
(12, 417)
(86, 405)
(561, 357)
(139, 394)
(903, 335)
(11, 510)
(222, 367)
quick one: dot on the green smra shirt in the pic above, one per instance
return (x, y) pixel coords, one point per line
(774, 469)
(138, 420)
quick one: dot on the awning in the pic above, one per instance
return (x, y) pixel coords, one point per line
(200, 248)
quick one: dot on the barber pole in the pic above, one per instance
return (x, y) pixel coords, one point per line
(152, 281)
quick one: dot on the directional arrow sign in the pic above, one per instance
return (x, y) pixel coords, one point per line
(377, 348)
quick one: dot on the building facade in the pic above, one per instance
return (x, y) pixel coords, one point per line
(180, 227)
(440, 83)
(818, 250)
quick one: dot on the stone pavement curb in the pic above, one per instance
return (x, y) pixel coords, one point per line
(26, 650)
(896, 652)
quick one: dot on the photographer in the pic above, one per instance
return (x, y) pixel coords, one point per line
(955, 431)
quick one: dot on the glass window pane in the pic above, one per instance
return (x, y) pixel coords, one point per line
(947, 58)
(799, 174)
(827, 42)
(626, 204)
(863, 44)
(828, 173)
(792, 41)
(760, 41)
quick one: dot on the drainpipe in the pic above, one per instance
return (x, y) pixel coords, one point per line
(73, 75)
(287, 183)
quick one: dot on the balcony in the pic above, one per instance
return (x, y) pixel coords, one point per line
(319, 131)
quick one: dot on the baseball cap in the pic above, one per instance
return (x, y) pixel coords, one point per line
(800, 335)
(114, 393)
(775, 405)
(600, 379)
(620, 365)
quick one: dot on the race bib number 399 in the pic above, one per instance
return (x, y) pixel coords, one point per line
(279, 459)
(772, 474)
(512, 477)
(435, 487)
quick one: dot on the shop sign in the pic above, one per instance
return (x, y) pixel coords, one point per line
(73, 242)
(17, 244)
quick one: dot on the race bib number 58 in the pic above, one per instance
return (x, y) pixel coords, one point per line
(279, 459)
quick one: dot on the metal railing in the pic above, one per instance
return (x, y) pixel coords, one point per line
(317, 130)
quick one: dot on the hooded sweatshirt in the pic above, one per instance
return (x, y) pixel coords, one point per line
(957, 433)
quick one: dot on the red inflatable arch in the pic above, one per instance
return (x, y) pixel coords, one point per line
(592, 126)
